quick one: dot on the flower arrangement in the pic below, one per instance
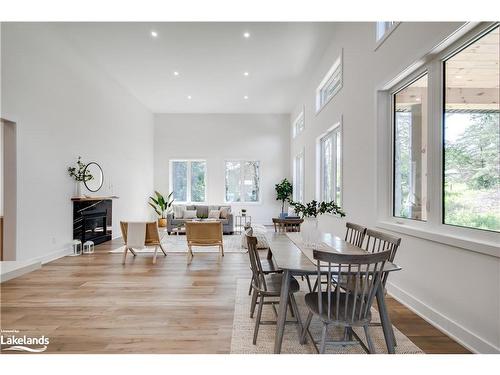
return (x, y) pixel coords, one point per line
(315, 208)
(78, 172)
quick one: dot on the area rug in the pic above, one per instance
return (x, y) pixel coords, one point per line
(243, 327)
(178, 244)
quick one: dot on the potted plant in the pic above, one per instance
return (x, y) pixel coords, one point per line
(162, 206)
(79, 174)
(310, 212)
(284, 191)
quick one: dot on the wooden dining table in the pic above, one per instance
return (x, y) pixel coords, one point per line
(297, 261)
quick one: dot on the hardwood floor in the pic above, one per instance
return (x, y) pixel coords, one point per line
(94, 304)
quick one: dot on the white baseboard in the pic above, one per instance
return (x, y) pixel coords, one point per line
(11, 269)
(449, 327)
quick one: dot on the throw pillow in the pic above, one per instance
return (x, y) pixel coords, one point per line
(189, 214)
(178, 212)
(224, 212)
(214, 214)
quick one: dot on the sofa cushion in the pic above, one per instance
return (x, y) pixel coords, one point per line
(224, 212)
(178, 211)
(214, 214)
(189, 214)
(190, 208)
(202, 211)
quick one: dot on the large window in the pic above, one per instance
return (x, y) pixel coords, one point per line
(330, 85)
(298, 177)
(188, 180)
(471, 191)
(410, 145)
(330, 151)
(242, 181)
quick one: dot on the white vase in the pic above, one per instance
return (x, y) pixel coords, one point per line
(309, 231)
(78, 189)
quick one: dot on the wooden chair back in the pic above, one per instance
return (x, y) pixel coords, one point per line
(365, 273)
(378, 241)
(152, 235)
(204, 233)
(258, 278)
(355, 234)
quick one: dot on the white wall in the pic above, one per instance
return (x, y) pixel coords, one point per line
(455, 288)
(217, 137)
(65, 107)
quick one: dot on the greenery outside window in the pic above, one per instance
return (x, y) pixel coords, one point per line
(188, 180)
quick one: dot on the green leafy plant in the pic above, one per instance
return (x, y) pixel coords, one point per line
(160, 204)
(78, 172)
(315, 208)
(284, 191)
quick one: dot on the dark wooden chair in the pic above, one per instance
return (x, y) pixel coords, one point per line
(267, 288)
(345, 308)
(354, 234)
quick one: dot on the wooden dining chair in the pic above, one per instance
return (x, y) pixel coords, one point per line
(345, 308)
(354, 234)
(152, 238)
(267, 289)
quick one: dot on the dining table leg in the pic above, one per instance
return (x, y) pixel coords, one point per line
(385, 320)
(280, 324)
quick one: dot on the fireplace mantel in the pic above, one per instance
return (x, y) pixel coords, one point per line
(84, 198)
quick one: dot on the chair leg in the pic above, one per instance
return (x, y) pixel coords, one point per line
(222, 249)
(315, 285)
(371, 347)
(305, 328)
(323, 339)
(250, 287)
(291, 307)
(154, 255)
(309, 283)
(163, 250)
(125, 255)
(254, 302)
(190, 254)
(257, 320)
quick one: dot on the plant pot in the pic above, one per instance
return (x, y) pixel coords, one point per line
(78, 188)
(283, 215)
(162, 223)
(310, 232)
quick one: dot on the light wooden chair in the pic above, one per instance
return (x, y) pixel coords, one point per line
(152, 238)
(345, 308)
(205, 233)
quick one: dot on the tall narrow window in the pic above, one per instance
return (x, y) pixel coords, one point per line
(298, 178)
(330, 166)
(298, 124)
(188, 180)
(242, 181)
(383, 28)
(330, 85)
(471, 191)
(410, 146)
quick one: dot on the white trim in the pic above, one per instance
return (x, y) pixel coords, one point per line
(11, 269)
(319, 182)
(295, 131)
(446, 325)
(299, 157)
(383, 38)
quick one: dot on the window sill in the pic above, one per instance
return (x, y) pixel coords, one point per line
(477, 246)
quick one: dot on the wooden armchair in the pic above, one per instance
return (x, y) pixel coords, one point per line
(152, 238)
(204, 234)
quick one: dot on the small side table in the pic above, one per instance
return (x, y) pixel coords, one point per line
(240, 221)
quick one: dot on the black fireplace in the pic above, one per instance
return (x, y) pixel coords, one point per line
(92, 220)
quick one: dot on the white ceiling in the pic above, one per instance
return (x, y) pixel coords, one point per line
(210, 58)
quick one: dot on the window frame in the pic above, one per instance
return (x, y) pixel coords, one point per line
(387, 33)
(299, 158)
(260, 182)
(300, 117)
(337, 64)
(476, 240)
(188, 188)
(336, 128)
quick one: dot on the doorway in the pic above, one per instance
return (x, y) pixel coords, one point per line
(8, 190)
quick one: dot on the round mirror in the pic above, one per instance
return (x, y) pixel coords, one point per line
(94, 177)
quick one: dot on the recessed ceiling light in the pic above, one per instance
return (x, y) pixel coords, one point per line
(245, 97)
(245, 74)
(154, 34)
(176, 73)
(246, 34)
(189, 97)
(458, 77)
